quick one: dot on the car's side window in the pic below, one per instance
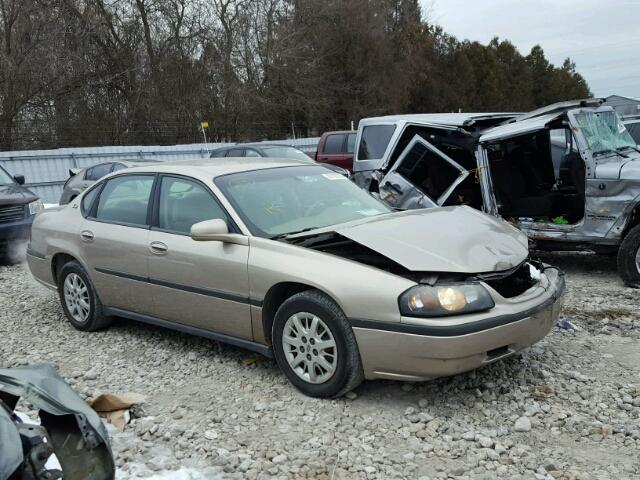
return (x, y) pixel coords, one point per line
(99, 171)
(87, 200)
(236, 152)
(374, 141)
(333, 143)
(125, 199)
(183, 202)
(118, 166)
(250, 152)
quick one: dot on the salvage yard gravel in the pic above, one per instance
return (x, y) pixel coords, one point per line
(569, 407)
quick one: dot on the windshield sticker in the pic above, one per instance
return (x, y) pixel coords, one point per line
(334, 176)
(621, 127)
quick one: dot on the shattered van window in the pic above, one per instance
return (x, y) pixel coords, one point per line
(374, 141)
(428, 171)
(604, 131)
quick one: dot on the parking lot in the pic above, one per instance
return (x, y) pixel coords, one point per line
(216, 411)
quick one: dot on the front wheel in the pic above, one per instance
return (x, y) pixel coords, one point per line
(315, 346)
(629, 258)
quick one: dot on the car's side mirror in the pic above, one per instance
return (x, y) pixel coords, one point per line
(19, 179)
(216, 230)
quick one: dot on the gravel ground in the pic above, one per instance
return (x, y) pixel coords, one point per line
(567, 408)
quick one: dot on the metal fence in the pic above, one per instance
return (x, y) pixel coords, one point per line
(46, 171)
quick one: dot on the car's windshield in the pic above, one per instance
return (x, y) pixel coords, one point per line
(286, 152)
(604, 131)
(279, 201)
(5, 178)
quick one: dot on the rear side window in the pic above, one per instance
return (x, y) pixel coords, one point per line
(99, 171)
(125, 199)
(374, 141)
(184, 203)
(333, 144)
(351, 142)
(87, 200)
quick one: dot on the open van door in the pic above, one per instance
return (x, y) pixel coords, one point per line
(422, 177)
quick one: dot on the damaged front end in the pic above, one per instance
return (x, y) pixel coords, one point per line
(69, 430)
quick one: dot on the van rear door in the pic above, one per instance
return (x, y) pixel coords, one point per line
(422, 177)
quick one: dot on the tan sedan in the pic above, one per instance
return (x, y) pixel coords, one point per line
(296, 262)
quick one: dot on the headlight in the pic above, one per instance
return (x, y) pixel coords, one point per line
(35, 207)
(443, 300)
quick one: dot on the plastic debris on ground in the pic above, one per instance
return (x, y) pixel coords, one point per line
(567, 325)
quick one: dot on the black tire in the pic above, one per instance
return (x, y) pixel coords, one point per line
(96, 319)
(348, 373)
(628, 267)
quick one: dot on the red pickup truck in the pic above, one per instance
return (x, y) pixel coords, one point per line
(337, 148)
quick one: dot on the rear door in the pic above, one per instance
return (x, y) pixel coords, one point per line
(114, 241)
(422, 177)
(200, 284)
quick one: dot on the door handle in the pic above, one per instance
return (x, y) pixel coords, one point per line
(158, 248)
(86, 235)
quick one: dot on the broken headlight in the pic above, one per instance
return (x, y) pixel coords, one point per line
(35, 207)
(443, 300)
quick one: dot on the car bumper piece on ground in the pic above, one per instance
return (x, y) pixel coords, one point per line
(70, 429)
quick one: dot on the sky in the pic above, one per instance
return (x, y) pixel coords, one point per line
(601, 36)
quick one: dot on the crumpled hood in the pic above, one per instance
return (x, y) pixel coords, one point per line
(448, 239)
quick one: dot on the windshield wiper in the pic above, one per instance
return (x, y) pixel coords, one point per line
(635, 149)
(609, 150)
(283, 235)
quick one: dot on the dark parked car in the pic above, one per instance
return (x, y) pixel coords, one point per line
(79, 179)
(272, 151)
(336, 148)
(18, 206)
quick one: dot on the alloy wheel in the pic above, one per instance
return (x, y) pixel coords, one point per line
(76, 297)
(309, 347)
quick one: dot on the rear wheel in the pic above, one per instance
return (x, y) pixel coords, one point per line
(315, 346)
(79, 300)
(629, 258)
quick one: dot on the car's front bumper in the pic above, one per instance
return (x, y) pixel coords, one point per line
(416, 350)
(15, 231)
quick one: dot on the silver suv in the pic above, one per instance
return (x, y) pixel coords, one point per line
(568, 174)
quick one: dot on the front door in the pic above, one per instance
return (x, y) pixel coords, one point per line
(200, 284)
(422, 177)
(114, 239)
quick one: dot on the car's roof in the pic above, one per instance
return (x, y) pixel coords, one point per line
(129, 162)
(560, 107)
(215, 167)
(448, 119)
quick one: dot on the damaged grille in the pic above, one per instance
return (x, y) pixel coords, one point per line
(514, 282)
